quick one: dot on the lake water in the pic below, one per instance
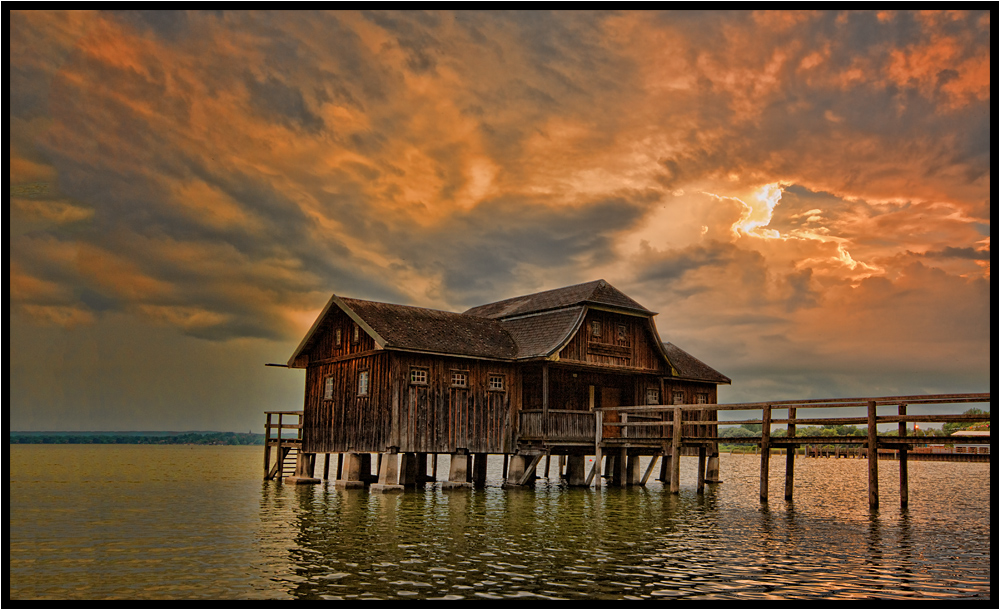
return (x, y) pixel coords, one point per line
(197, 522)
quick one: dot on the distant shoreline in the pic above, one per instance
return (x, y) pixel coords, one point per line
(135, 438)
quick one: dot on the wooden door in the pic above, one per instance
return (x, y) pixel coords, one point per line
(611, 397)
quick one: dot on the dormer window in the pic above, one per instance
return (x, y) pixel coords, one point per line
(595, 328)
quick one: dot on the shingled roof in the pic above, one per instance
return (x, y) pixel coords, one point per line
(531, 326)
(597, 292)
(432, 330)
(540, 335)
(689, 367)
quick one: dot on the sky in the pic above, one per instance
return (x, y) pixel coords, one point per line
(803, 197)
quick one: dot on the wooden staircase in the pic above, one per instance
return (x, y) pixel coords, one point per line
(288, 449)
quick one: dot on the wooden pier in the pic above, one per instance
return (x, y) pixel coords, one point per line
(618, 435)
(672, 438)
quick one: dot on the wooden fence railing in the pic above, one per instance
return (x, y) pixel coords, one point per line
(669, 434)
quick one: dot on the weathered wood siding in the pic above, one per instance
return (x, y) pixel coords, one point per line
(353, 340)
(690, 390)
(622, 342)
(439, 417)
(348, 421)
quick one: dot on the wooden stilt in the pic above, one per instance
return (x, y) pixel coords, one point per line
(790, 456)
(599, 418)
(904, 488)
(675, 454)
(765, 451)
(702, 455)
(872, 455)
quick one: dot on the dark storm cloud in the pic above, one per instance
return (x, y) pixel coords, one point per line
(480, 253)
(272, 97)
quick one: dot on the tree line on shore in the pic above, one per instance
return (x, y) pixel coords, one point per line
(189, 438)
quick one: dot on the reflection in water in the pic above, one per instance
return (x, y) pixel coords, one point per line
(556, 542)
(176, 522)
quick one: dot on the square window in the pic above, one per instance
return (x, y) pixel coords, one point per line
(678, 398)
(460, 379)
(418, 376)
(702, 399)
(328, 388)
(652, 396)
(496, 383)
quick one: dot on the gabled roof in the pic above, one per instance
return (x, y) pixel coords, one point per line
(421, 330)
(598, 293)
(432, 330)
(689, 367)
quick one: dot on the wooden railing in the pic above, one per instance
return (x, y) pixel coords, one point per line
(667, 433)
(561, 425)
(284, 445)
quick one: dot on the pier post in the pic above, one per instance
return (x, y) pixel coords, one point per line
(576, 466)
(904, 488)
(765, 451)
(599, 419)
(305, 463)
(790, 456)
(872, 455)
(675, 453)
(632, 470)
(665, 468)
(267, 447)
(388, 474)
(408, 469)
(702, 454)
(458, 474)
(479, 469)
(712, 470)
(617, 466)
(351, 472)
(421, 475)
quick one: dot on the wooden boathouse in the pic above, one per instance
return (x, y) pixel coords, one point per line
(524, 378)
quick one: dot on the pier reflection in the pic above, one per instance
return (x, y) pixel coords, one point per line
(571, 543)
